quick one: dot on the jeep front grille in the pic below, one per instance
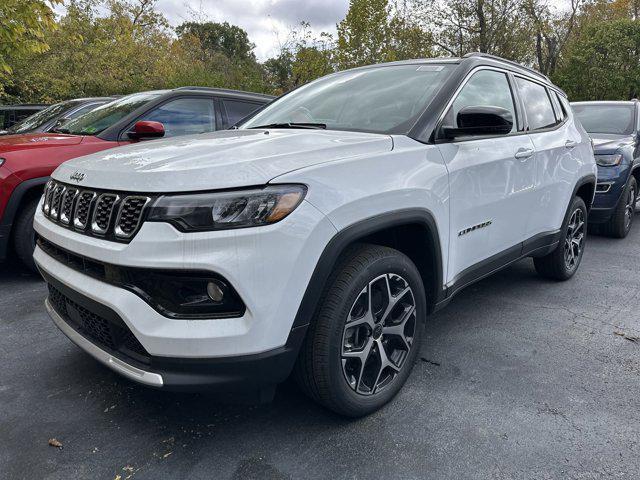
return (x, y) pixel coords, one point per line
(111, 215)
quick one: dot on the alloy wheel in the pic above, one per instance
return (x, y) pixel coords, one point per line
(630, 208)
(378, 334)
(574, 241)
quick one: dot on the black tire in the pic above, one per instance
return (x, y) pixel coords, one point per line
(557, 265)
(24, 236)
(622, 218)
(321, 370)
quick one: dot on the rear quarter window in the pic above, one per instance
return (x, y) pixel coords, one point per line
(237, 110)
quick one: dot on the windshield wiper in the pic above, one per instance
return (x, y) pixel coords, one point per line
(60, 130)
(309, 125)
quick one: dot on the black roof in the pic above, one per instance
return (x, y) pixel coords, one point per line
(224, 92)
(474, 59)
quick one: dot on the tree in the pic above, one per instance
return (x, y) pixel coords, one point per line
(230, 40)
(23, 24)
(552, 31)
(364, 35)
(489, 26)
(302, 58)
(92, 54)
(604, 62)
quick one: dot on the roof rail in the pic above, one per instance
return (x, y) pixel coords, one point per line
(229, 90)
(510, 62)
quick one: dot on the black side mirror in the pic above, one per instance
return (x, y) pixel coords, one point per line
(481, 120)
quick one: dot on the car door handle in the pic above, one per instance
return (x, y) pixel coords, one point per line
(570, 144)
(524, 153)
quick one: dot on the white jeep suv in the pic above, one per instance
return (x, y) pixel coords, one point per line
(317, 236)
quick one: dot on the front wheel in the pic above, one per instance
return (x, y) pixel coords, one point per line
(563, 262)
(24, 236)
(364, 339)
(622, 218)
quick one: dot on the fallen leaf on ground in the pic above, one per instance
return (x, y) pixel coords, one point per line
(166, 454)
(55, 443)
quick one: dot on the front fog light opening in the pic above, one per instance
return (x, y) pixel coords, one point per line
(215, 292)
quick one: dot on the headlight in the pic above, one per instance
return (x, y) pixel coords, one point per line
(609, 160)
(1, 161)
(224, 210)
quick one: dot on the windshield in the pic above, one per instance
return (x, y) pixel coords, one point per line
(606, 118)
(380, 100)
(43, 116)
(106, 115)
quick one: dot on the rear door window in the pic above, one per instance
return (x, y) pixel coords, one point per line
(537, 104)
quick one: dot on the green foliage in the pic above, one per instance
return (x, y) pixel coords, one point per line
(105, 47)
(224, 38)
(604, 62)
(364, 36)
(23, 24)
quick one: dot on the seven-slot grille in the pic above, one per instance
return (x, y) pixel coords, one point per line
(104, 214)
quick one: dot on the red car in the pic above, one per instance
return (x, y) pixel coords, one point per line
(26, 161)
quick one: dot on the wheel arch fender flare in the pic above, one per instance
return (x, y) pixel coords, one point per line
(13, 207)
(18, 194)
(589, 180)
(360, 231)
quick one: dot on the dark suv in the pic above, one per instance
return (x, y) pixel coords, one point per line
(55, 115)
(12, 114)
(26, 161)
(614, 128)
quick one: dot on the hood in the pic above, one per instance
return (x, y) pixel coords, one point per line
(10, 143)
(609, 143)
(226, 159)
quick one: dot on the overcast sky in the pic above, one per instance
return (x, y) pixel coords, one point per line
(266, 21)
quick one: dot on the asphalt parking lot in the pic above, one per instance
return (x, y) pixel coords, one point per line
(520, 378)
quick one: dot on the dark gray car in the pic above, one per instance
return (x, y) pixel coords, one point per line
(55, 115)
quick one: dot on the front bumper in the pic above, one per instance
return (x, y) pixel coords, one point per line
(255, 372)
(270, 268)
(613, 179)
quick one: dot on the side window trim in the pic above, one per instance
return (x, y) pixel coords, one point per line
(220, 113)
(516, 106)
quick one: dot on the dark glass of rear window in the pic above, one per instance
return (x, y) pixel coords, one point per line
(557, 106)
(43, 116)
(606, 118)
(237, 110)
(537, 104)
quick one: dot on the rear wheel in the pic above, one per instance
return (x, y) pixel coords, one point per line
(24, 236)
(622, 218)
(364, 339)
(563, 262)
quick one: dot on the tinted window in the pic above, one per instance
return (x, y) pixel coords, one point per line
(606, 118)
(85, 109)
(184, 116)
(43, 116)
(557, 107)
(486, 88)
(537, 104)
(237, 110)
(385, 99)
(106, 115)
